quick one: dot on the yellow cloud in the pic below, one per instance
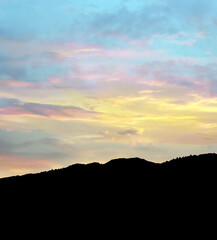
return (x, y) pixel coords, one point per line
(156, 118)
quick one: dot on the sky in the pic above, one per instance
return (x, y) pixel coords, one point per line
(92, 80)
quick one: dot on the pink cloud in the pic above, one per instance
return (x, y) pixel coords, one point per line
(12, 110)
(91, 76)
(18, 84)
(54, 80)
(178, 74)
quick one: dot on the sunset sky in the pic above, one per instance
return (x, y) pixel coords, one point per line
(91, 80)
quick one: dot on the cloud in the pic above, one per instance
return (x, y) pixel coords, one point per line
(15, 107)
(129, 132)
(132, 54)
(110, 79)
(188, 42)
(146, 21)
(33, 151)
(18, 84)
(88, 24)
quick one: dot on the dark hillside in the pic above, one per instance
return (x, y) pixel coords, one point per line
(121, 175)
(127, 192)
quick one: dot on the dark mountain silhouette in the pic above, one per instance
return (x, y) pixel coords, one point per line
(125, 196)
(122, 175)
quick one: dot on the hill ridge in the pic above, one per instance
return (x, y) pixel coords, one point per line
(186, 162)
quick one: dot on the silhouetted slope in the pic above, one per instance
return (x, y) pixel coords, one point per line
(191, 165)
(86, 176)
(131, 174)
(131, 192)
(129, 163)
(202, 161)
(201, 167)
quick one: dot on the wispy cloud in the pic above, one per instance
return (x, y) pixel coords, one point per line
(16, 107)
